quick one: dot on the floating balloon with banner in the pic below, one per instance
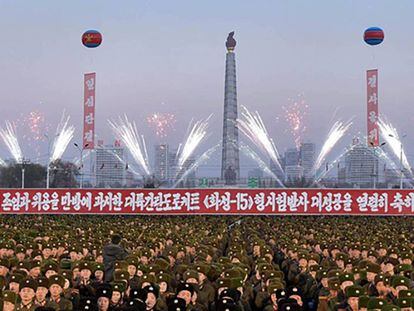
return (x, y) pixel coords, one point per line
(373, 36)
(91, 38)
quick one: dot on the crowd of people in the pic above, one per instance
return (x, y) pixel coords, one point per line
(206, 263)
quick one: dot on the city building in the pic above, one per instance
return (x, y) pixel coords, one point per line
(307, 159)
(361, 165)
(230, 167)
(255, 173)
(291, 157)
(110, 168)
(293, 173)
(161, 163)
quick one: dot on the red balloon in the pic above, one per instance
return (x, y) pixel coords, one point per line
(91, 38)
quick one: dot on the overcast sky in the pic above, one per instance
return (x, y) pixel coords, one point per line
(169, 56)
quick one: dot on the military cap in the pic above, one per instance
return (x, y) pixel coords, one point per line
(4, 262)
(57, 279)
(67, 274)
(321, 274)
(99, 267)
(105, 290)
(314, 268)
(9, 296)
(176, 304)
(36, 253)
(42, 282)
(154, 289)
(132, 261)
(403, 302)
(341, 256)
(406, 294)
(346, 277)
(16, 278)
(203, 268)
(85, 265)
(333, 284)
(51, 265)
(270, 274)
(379, 278)
(224, 282)
(118, 287)
(376, 303)
(276, 286)
(400, 281)
(164, 277)
(190, 274)
(28, 283)
(121, 265)
(314, 257)
(391, 308)
(363, 301)
(290, 306)
(334, 273)
(354, 291)
(403, 268)
(294, 290)
(150, 278)
(392, 261)
(185, 287)
(121, 275)
(406, 255)
(236, 283)
(373, 268)
(35, 264)
(20, 249)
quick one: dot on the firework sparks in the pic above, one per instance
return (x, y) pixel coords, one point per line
(127, 132)
(35, 121)
(252, 126)
(252, 155)
(197, 133)
(336, 132)
(201, 159)
(64, 134)
(162, 123)
(295, 114)
(390, 134)
(8, 134)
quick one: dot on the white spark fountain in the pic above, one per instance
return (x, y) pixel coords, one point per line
(196, 134)
(127, 132)
(262, 165)
(8, 134)
(390, 134)
(336, 132)
(200, 160)
(64, 134)
(252, 126)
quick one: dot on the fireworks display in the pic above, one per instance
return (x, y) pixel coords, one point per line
(200, 160)
(8, 134)
(295, 114)
(390, 135)
(196, 134)
(252, 126)
(262, 165)
(336, 132)
(127, 132)
(35, 120)
(162, 123)
(64, 134)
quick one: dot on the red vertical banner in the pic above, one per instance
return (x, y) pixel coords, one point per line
(89, 111)
(372, 108)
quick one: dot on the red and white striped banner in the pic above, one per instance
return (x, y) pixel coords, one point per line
(208, 201)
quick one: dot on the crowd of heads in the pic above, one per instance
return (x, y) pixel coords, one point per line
(206, 263)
